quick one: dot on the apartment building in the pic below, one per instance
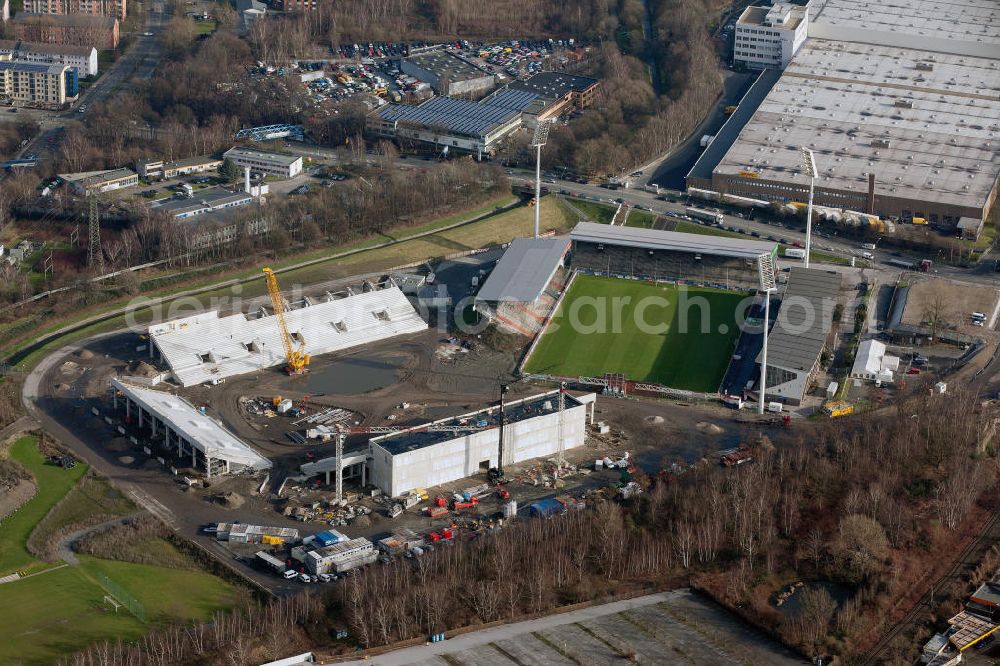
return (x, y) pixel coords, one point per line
(115, 8)
(82, 58)
(768, 37)
(32, 83)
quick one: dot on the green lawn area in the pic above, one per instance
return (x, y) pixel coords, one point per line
(581, 342)
(694, 228)
(598, 212)
(640, 219)
(205, 27)
(52, 484)
(61, 611)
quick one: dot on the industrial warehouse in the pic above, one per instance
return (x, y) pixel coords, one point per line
(209, 348)
(900, 119)
(479, 127)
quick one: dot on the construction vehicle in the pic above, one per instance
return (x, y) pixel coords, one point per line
(472, 501)
(296, 359)
(838, 408)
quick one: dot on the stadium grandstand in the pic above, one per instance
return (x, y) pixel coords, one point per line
(800, 332)
(652, 254)
(209, 348)
(524, 287)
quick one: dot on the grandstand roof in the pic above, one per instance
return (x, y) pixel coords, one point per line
(673, 241)
(453, 115)
(803, 323)
(524, 270)
(207, 347)
(204, 433)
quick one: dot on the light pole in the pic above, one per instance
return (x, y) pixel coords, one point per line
(809, 164)
(767, 284)
(537, 141)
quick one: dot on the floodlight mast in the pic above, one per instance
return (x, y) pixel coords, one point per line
(767, 284)
(809, 164)
(537, 141)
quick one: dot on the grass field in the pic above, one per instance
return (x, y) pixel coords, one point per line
(680, 359)
(640, 219)
(52, 484)
(61, 611)
(92, 499)
(598, 212)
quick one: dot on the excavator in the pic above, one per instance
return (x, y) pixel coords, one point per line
(296, 359)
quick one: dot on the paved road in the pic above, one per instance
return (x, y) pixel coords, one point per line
(65, 548)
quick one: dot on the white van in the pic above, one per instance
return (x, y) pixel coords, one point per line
(290, 574)
(868, 246)
(867, 255)
(775, 407)
(978, 315)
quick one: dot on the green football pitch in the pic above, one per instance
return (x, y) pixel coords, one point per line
(680, 337)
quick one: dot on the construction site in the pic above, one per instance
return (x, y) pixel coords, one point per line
(345, 410)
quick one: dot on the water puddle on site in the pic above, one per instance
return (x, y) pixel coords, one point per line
(352, 376)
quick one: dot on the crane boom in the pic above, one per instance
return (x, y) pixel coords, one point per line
(296, 359)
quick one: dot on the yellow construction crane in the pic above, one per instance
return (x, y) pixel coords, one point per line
(297, 359)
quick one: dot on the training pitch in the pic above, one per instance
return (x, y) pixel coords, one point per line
(597, 329)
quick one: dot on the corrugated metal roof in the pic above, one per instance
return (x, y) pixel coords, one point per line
(524, 270)
(454, 115)
(509, 98)
(803, 323)
(673, 241)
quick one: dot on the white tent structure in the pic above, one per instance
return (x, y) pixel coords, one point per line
(210, 445)
(209, 348)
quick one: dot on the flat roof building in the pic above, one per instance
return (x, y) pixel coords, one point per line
(116, 8)
(423, 458)
(579, 90)
(449, 73)
(259, 161)
(452, 124)
(965, 27)
(768, 37)
(896, 133)
(170, 417)
(157, 168)
(209, 200)
(101, 181)
(800, 331)
(209, 348)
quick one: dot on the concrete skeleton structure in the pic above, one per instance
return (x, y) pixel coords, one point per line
(211, 446)
(272, 164)
(83, 58)
(209, 348)
(768, 37)
(420, 458)
(800, 331)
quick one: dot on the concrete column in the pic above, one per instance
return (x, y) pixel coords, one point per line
(194, 458)
(328, 477)
(140, 415)
(152, 424)
(364, 474)
(114, 398)
(128, 407)
(208, 464)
